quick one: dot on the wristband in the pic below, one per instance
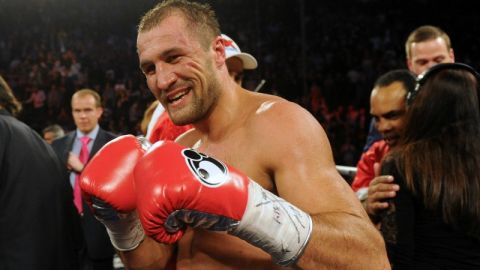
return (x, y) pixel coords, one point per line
(274, 225)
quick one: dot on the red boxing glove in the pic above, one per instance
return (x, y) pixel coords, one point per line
(108, 188)
(109, 175)
(177, 187)
(177, 184)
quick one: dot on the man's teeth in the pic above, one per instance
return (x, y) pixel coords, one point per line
(178, 96)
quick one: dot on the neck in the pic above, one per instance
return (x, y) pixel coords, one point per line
(225, 113)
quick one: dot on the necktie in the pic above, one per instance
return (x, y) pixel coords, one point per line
(77, 193)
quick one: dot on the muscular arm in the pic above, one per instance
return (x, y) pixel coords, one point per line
(305, 175)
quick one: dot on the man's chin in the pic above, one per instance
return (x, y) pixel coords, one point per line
(391, 142)
(182, 121)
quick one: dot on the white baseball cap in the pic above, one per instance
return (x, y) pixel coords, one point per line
(232, 49)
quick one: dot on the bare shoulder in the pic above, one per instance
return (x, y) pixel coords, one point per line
(189, 138)
(278, 117)
(285, 129)
(296, 149)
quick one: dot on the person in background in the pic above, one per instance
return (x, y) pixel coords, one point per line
(37, 216)
(74, 150)
(52, 132)
(237, 61)
(387, 107)
(425, 47)
(434, 221)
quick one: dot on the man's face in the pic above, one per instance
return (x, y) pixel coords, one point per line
(49, 137)
(180, 72)
(428, 53)
(387, 107)
(235, 69)
(85, 112)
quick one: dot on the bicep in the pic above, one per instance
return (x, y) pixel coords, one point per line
(312, 183)
(305, 173)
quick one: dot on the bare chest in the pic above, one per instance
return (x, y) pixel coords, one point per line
(242, 153)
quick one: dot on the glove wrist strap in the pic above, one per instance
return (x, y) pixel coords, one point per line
(274, 225)
(126, 233)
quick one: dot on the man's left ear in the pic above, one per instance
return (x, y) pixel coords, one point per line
(99, 112)
(219, 50)
(452, 54)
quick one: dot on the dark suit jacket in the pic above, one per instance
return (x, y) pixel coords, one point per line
(98, 245)
(37, 218)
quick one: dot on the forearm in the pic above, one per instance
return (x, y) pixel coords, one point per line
(344, 241)
(148, 255)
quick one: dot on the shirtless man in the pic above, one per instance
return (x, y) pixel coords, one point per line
(157, 124)
(278, 144)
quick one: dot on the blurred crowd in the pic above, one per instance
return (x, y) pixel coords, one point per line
(323, 55)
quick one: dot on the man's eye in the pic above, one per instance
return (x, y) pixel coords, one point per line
(148, 69)
(173, 58)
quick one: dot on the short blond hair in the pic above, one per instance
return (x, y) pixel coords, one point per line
(89, 92)
(425, 33)
(200, 18)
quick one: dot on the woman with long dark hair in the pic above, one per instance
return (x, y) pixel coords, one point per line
(434, 221)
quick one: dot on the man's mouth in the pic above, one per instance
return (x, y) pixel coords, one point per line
(391, 139)
(177, 96)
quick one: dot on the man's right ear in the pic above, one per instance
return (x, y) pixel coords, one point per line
(219, 50)
(409, 63)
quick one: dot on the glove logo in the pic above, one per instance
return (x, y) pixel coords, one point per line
(207, 170)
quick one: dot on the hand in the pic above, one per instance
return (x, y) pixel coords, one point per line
(74, 163)
(381, 188)
(108, 188)
(180, 187)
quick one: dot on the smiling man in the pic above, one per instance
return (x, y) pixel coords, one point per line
(387, 107)
(161, 127)
(299, 211)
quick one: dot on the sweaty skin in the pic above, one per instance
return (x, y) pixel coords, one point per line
(276, 143)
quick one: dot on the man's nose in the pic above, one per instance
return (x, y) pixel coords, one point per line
(383, 126)
(430, 64)
(165, 77)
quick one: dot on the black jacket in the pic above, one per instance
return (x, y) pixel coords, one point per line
(37, 215)
(98, 245)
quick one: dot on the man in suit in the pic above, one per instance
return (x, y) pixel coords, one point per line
(83, 143)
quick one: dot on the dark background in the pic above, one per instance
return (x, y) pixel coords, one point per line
(323, 55)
